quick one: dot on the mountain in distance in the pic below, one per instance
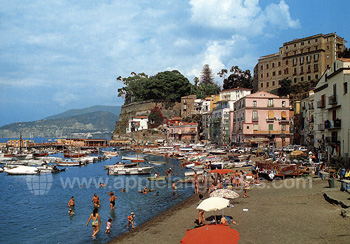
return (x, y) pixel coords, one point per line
(74, 112)
(75, 123)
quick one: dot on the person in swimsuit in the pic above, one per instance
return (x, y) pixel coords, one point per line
(168, 172)
(201, 218)
(112, 200)
(71, 203)
(96, 222)
(108, 227)
(131, 220)
(96, 201)
(123, 190)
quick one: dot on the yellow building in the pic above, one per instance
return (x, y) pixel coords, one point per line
(302, 59)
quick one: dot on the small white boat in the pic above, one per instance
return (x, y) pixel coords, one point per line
(191, 173)
(110, 154)
(122, 170)
(119, 163)
(138, 159)
(22, 170)
(1, 170)
(157, 162)
(67, 162)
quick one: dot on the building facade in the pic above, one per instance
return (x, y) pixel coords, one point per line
(302, 59)
(137, 123)
(262, 119)
(220, 119)
(332, 110)
(183, 132)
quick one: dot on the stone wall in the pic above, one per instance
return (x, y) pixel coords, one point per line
(168, 109)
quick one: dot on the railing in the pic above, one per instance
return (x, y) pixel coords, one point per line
(332, 100)
(333, 124)
(255, 119)
(270, 119)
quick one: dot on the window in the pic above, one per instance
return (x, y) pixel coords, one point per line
(295, 80)
(273, 83)
(284, 115)
(286, 62)
(295, 71)
(271, 117)
(279, 63)
(255, 115)
(309, 68)
(301, 70)
(315, 40)
(262, 76)
(267, 84)
(316, 57)
(302, 43)
(295, 45)
(273, 65)
(345, 87)
(274, 73)
(301, 60)
(255, 127)
(316, 77)
(262, 67)
(267, 66)
(254, 103)
(308, 58)
(280, 72)
(301, 78)
(270, 102)
(270, 126)
(283, 127)
(247, 127)
(279, 82)
(295, 61)
(261, 85)
(316, 68)
(283, 103)
(309, 77)
(267, 74)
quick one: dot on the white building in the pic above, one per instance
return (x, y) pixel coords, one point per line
(220, 120)
(332, 110)
(137, 123)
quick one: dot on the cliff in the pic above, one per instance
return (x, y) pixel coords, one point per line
(168, 109)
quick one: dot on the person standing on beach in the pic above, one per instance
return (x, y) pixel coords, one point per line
(168, 172)
(201, 218)
(195, 178)
(96, 222)
(112, 200)
(96, 201)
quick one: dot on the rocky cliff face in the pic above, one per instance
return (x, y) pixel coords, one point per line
(168, 109)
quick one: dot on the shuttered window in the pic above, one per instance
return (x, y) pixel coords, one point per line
(271, 115)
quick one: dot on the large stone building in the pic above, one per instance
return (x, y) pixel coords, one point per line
(332, 110)
(302, 59)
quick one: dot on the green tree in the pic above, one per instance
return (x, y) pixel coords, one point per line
(155, 118)
(237, 78)
(206, 76)
(285, 88)
(345, 53)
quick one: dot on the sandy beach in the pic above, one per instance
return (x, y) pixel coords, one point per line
(289, 211)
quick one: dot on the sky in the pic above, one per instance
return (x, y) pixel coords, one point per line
(66, 54)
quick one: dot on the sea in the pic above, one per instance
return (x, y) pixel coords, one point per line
(35, 208)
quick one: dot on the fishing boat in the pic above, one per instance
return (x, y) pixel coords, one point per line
(122, 170)
(157, 162)
(22, 170)
(120, 163)
(67, 162)
(137, 159)
(158, 178)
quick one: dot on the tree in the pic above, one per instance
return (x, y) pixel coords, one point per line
(206, 76)
(345, 53)
(155, 118)
(237, 78)
(285, 87)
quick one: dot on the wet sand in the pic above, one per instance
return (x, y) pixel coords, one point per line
(290, 211)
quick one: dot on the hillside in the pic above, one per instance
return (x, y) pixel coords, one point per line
(75, 112)
(100, 124)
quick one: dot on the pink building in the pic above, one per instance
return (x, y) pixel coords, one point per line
(186, 132)
(262, 119)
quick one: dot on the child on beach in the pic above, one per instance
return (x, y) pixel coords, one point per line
(131, 220)
(108, 226)
(245, 189)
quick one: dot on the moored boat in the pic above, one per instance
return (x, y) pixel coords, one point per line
(122, 170)
(22, 170)
(158, 178)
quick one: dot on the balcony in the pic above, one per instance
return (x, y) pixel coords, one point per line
(270, 119)
(255, 119)
(332, 124)
(320, 104)
(332, 100)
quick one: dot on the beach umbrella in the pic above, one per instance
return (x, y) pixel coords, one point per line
(213, 204)
(209, 234)
(224, 193)
(221, 171)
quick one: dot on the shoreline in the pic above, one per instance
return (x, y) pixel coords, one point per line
(289, 211)
(155, 220)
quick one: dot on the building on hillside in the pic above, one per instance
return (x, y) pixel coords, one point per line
(207, 108)
(96, 142)
(332, 110)
(302, 59)
(183, 132)
(262, 119)
(173, 121)
(137, 123)
(220, 118)
(187, 106)
(18, 143)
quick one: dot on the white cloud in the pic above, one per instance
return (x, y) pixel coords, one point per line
(245, 17)
(64, 98)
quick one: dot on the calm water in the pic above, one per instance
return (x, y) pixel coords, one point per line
(40, 215)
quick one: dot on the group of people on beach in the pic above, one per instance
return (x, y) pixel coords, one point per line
(95, 217)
